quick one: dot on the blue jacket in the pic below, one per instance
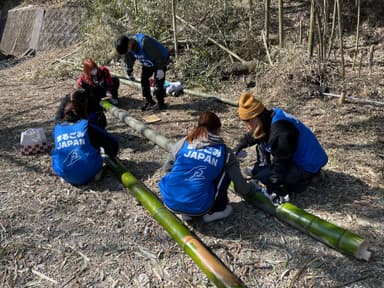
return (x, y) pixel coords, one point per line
(74, 158)
(190, 186)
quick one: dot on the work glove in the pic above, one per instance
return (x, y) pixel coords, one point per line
(241, 154)
(159, 74)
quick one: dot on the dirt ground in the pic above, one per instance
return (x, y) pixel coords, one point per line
(99, 235)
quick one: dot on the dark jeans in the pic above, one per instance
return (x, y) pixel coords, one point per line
(98, 118)
(146, 73)
(296, 180)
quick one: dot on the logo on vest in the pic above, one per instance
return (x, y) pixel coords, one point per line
(197, 173)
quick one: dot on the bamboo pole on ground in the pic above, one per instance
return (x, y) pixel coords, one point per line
(354, 99)
(327, 233)
(186, 91)
(212, 266)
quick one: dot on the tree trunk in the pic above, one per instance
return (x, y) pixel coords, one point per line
(357, 34)
(174, 27)
(267, 4)
(281, 24)
(341, 39)
(311, 29)
(332, 30)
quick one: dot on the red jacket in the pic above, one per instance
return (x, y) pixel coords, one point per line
(102, 79)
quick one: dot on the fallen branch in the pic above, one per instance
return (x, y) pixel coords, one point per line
(42, 276)
(212, 40)
(353, 99)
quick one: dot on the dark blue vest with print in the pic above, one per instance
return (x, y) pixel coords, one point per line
(142, 56)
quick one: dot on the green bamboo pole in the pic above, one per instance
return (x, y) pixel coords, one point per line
(327, 233)
(186, 91)
(216, 271)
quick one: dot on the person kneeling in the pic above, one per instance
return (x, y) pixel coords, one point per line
(200, 169)
(76, 157)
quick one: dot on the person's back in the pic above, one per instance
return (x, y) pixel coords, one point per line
(76, 157)
(190, 186)
(200, 169)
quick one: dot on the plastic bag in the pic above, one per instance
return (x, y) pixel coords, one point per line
(33, 141)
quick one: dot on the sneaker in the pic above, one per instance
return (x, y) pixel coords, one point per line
(186, 217)
(114, 101)
(218, 215)
(159, 107)
(148, 106)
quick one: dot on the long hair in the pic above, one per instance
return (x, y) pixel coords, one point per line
(88, 66)
(76, 107)
(208, 123)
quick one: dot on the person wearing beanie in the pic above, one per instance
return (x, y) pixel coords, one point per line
(199, 170)
(288, 153)
(154, 58)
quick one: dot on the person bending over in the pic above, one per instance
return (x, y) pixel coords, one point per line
(76, 157)
(154, 58)
(199, 170)
(288, 153)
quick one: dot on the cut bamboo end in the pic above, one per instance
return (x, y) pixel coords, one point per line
(342, 98)
(362, 252)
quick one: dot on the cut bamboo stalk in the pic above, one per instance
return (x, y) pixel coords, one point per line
(212, 266)
(327, 233)
(266, 47)
(174, 27)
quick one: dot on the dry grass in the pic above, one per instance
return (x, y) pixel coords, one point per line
(98, 235)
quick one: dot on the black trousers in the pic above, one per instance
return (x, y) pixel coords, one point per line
(146, 73)
(116, 85)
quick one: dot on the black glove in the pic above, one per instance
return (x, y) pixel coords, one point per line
(276, 186)
(244, 142)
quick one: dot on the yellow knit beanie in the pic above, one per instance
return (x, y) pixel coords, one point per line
(249, 107)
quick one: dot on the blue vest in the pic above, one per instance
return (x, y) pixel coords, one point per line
(142, 56)
(189, 188)
(74, 158)
(309, 154)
